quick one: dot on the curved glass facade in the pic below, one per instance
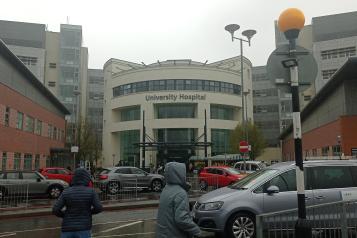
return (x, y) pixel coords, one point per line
(130, 114)
(175, 111)
(221, 112)
(177, 84)
(220, 141)
(129, 153)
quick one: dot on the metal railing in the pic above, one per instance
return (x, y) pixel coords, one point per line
(14, 196)
(329, 220)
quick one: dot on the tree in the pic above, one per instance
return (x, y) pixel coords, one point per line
(255, 139)
(89, 146)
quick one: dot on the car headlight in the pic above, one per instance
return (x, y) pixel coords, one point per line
(211, 206)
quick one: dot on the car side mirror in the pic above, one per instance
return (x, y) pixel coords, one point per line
(272, 189)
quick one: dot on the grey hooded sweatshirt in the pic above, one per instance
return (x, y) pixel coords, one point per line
(173, 219)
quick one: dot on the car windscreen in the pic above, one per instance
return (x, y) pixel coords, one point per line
(253, 178)
(232, 171)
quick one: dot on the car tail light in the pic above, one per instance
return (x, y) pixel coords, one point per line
(102, 177)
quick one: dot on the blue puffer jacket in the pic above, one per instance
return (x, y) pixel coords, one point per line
(80, 203)
(173, 219)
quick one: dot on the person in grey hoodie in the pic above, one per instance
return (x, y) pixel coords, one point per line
(174, 219)
(80, 202)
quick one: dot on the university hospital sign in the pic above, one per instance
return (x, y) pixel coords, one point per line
(176, 97)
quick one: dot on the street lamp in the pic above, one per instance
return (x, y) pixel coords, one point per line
(232, 28)
(291, 21)
(76, 93)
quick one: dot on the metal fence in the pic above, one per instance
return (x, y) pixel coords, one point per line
(330, 220)
(14, 195)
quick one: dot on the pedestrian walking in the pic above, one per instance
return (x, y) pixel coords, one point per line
(76, 206)
(174, 219)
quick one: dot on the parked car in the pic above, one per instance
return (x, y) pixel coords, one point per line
(249, 166)
(231, 210)
(57, 173)
(218, 176)
(33, 183)
(113, 179)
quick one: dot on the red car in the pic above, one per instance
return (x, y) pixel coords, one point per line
(218, 176)
(57, 173)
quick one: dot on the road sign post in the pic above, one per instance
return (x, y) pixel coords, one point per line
(244, 148)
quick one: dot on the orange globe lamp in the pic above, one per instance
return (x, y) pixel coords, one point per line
(291, 21)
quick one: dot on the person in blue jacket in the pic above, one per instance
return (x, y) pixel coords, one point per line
(76, 205)
(174, 219)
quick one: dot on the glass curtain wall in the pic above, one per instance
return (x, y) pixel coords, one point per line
(130, 114)
(176, 135)
(129, 153)
(222, 112)
(175, 110)
(220, 141)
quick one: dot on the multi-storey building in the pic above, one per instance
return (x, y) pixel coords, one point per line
(95, 99)
(32, 119)
(171, 99)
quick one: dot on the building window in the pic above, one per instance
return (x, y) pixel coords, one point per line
(130, 114)
(7, 116)
(221, 112)
(314, 152)
(28, 162)
(266, 108)
(20, 120)
(178, 85)
(129, 152)
(49, 132)
(29, 124)
(54, 133)
(175, 111)
(4, 161)
(53, 65)
(307, 98)
(37, 162)
(27, 60)
(338, 53)
(51, 84)
(39, 127)
(327, 74)
(265, 92)
(325, 151)
(260, 77)
(17, 161)
(336, 150)
(220, 141)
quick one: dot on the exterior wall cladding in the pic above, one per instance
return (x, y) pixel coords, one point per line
(20, 92)
(332, 122)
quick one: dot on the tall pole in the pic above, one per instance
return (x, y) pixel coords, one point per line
(143, 148)
(242, 87)
(205, 138)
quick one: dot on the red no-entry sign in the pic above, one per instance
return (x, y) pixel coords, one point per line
(243, 146)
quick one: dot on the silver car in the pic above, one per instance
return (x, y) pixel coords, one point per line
(112, 180)
(231, 210)
(14, 183)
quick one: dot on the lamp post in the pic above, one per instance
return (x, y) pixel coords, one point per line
(291, 21)
(232, 28)
(76, 93)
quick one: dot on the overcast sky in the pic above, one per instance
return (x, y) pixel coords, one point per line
(151, 30)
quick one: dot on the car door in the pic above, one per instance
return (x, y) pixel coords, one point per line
(286, 198)
(64, 175)
(222, 178)
(329, 182)
(142, 177)
(126, 178)
(37, 185)
(13, 183)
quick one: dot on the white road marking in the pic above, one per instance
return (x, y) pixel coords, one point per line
(119, 227)
(125, 235)
(6, 234)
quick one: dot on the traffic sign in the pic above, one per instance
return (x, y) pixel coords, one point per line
(279, 75)
(243, 147)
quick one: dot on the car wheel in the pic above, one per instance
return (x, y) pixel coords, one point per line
(203, 185)
(156, 185)
(113, 188)
(241, 225)
(2, 193)
(55, 191)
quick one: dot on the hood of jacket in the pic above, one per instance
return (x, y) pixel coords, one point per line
(175, 173)
(81, 177)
